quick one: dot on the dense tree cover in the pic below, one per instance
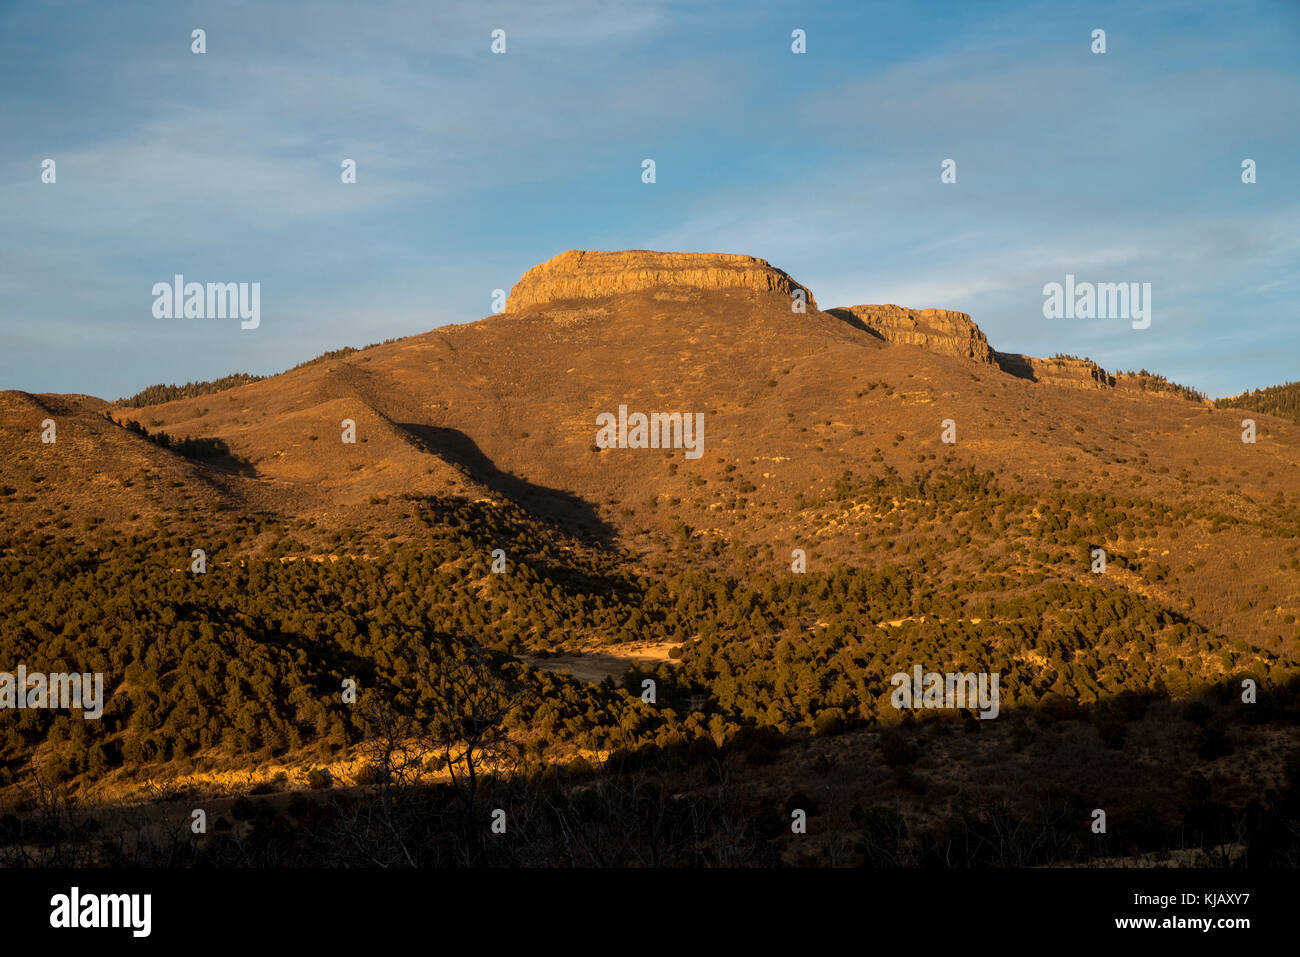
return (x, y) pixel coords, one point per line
(158, 394)
(252, 654)
(811, 645)
(249, 658)
(1281, 400)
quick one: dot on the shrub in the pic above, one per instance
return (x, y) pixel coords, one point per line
(318, 779)
(830, 721)
(270, 785)
(1197, 712)
(897, 749)
(1212, 742)
(1111, 730)
(1060, 708)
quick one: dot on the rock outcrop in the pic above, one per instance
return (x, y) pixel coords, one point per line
(578, 274)
(1068, 371)
(939, 330)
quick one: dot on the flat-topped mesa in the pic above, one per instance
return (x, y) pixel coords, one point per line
(579, 274)
(939, 330)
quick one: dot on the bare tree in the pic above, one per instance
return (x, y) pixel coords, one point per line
(460, 700)
(56, 832)
(396, 744)
(473, 697)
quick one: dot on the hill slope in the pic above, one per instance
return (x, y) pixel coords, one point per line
(822, 440)
(798, 408)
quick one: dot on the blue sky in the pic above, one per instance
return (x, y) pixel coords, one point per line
(472, 167)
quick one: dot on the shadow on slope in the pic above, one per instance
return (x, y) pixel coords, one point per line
(847, 316)
(1014, 364)
(560, 507)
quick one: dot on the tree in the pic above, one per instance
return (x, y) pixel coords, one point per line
(473, 695)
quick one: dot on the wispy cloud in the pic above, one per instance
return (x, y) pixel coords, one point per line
(472, 167)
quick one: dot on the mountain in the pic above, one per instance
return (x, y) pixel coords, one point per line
(791, 402)
(947, 500)
(795, 405)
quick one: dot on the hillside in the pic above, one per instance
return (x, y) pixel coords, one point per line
(822, 431)
(1280, 400)
(791, 402)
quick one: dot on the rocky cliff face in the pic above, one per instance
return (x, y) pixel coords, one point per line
(939, 330)
(1067, 371)
(577, 274)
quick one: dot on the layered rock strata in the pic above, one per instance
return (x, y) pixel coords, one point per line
(578, 274)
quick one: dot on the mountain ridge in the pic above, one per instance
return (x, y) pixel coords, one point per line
(583, 282)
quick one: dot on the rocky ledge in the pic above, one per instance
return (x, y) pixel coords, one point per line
(579, 274)
(939, 330)
(1069, 371)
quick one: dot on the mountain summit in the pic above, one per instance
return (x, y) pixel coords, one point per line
(584, 274)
